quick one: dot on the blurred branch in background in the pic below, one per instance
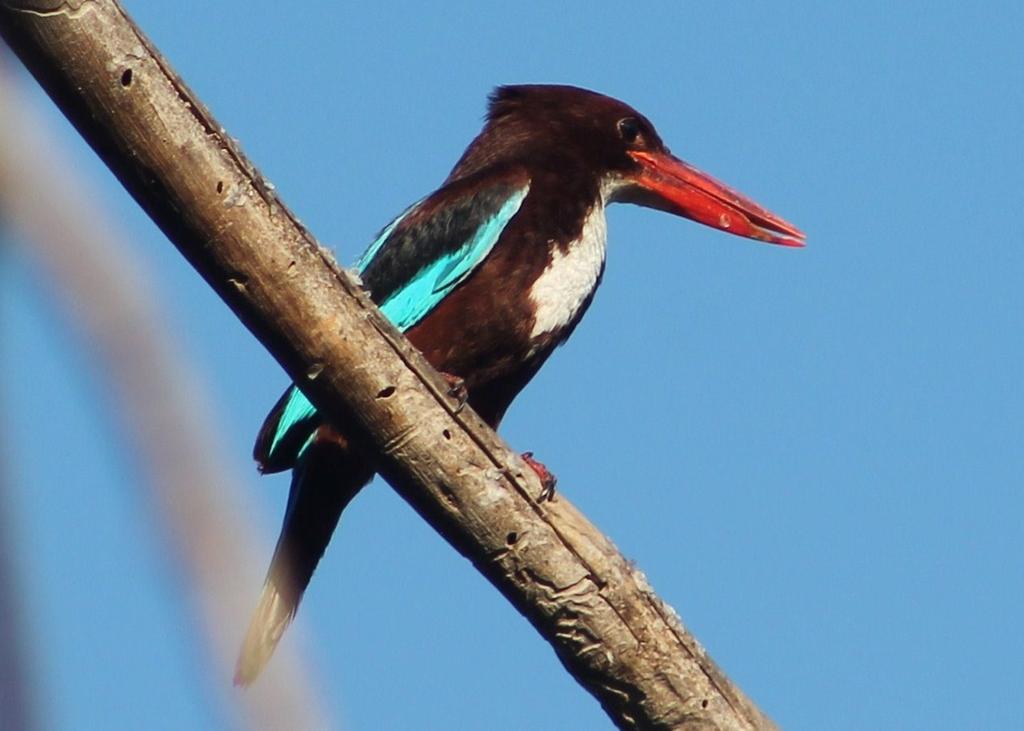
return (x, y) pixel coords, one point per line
(17, 694)
(109, 300)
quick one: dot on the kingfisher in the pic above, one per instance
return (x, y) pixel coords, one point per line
(486, 276)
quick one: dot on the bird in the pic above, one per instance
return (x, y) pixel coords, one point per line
(486, 276)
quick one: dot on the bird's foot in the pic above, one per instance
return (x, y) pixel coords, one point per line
(456, 390)
(547, 480)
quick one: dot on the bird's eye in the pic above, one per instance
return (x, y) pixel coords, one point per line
(629, 129)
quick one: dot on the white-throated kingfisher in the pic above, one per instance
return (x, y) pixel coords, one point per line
(486, 276)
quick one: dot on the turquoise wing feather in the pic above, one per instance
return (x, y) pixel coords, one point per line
(412, 302)
(477, 220)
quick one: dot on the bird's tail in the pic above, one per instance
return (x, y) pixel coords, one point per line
(328, 475)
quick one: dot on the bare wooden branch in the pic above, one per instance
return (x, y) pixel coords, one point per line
(605, 623)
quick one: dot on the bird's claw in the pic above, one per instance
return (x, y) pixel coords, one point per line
(547, 479)
(456, 390)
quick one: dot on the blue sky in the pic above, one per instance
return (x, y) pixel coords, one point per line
(814, 455)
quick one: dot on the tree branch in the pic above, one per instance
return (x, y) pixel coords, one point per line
(607, 626)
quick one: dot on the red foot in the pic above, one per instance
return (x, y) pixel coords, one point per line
(547, 480)
(457, 390)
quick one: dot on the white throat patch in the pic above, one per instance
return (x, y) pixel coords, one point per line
(570, 277)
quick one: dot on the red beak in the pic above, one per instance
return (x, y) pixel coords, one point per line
(669, 184)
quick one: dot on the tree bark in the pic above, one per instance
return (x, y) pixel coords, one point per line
(609, 629)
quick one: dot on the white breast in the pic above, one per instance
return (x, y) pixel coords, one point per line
(571, 276)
